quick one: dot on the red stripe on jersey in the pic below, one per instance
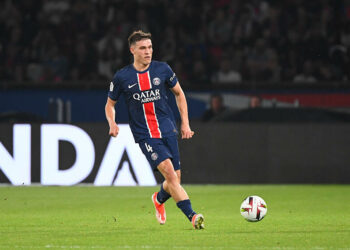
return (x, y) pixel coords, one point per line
(149, 108)
(151, 120)
(144, 81)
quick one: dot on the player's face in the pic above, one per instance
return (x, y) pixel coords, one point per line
(142, 51)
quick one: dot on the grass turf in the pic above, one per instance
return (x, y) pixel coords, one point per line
(298, 217)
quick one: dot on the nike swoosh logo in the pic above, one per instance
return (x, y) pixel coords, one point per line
(130, 86)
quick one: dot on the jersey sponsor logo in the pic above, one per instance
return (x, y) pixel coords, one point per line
(132, 85)
(111, 87)
(156, 81)
(147, 96)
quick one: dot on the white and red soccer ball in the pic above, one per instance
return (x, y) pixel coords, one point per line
(253, 208)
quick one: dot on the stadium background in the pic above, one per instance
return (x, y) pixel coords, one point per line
(282, 69)
(57, 58)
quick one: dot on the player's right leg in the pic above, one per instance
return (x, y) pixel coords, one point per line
(172, 149)
(179, 194)
(160, 197)
(159, 208)
(172, 184)
(163, 195)
(156, 152)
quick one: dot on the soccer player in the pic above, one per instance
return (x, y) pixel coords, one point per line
(143, 84)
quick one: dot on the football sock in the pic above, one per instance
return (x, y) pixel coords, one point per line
(186, 208)
(162, 195)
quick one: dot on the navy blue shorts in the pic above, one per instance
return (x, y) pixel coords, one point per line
(157, 150)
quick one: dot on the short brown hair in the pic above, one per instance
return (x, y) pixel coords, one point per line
(138, 35)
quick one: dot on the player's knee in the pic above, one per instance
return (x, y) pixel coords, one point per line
(167, 170)
(171, 177)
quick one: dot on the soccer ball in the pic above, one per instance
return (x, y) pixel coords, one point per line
(253, 208)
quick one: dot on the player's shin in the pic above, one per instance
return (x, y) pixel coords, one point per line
(197, 220)
(162, 195)
(186, 208)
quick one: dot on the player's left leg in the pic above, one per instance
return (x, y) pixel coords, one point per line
(198, 219)
(179, 194)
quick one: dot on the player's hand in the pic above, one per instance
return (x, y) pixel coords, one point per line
(186, 132)
(113, 129)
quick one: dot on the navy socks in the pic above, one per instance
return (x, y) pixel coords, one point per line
(186, 208)
(184, 205)
(162, 195)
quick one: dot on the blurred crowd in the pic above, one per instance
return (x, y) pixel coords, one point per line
(205, 42)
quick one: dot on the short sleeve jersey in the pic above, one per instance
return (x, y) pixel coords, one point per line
(150, 115)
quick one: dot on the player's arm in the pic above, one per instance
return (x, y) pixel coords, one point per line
(110, 115)
(186, 132)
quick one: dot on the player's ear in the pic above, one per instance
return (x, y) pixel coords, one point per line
(132, 49)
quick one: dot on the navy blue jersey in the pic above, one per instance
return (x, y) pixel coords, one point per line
(145, 94)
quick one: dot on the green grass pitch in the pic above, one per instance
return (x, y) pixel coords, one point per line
(86, 217)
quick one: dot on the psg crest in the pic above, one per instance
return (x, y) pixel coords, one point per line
(154, 156)
(156, 81)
